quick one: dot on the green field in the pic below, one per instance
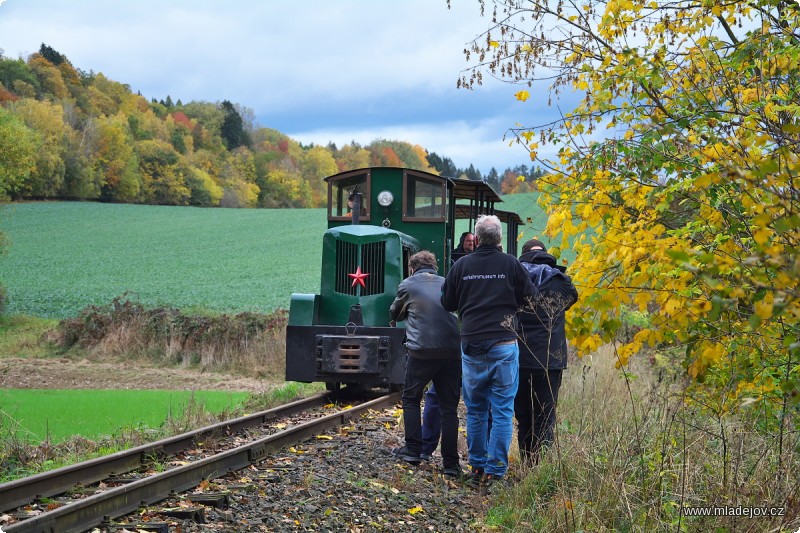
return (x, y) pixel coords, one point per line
(525, 206)
(67, 255)
(33, 415)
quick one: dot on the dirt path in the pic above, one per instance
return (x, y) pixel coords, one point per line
(68, 374)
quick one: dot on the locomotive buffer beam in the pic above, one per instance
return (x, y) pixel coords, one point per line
(368, 355)
(344, 354)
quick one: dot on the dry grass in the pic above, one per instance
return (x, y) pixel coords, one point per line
(249, 344)
(632, 451)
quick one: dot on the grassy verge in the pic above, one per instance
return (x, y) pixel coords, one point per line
(249, 344)
(23, 336)
(47, 429)
(20, 458)
(633, 451)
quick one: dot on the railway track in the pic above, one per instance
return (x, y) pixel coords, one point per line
(129, 494)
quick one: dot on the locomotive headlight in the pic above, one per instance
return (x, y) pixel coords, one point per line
(385, 198)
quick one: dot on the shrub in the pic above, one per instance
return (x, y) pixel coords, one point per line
(248, 343)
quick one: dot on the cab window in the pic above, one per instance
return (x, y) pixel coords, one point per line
(423, 199)
(341, 192)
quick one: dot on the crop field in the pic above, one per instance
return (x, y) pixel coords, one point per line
(67, 255)
(35, 415)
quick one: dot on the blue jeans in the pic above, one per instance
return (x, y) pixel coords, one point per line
(490, 381)
(431, 422)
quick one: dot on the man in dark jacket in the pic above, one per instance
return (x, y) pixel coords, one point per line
(487, 287)
(543, 354)
(434, 354)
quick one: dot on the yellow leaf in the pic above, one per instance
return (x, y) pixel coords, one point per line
(494, 44)
(324, 437)
(279, 426)
(522, 95)
(672, 306)
(415, 510)
(761, 236)
(521, 179)
(763, 310)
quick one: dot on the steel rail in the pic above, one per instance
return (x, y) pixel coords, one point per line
(25, 490)
(94, 510)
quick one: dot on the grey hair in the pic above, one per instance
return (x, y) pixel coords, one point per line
(488, 230)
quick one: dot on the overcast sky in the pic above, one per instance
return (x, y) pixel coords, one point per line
(318, 71)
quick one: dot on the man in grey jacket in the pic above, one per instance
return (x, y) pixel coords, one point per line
(434, 354)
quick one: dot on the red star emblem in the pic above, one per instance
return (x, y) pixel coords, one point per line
(358, 277)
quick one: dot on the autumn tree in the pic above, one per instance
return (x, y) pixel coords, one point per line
(351, 156)
(238, 179)
(115, 161)
(673, 178)
(18, 145)
(397, 154)
(106, 97)
(285, 187)
(318, 163)
(204, 191)
(47, 178)
(15, 74)
(163, 173)
(48, 77)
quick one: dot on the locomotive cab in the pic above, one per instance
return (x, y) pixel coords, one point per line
(377, 218)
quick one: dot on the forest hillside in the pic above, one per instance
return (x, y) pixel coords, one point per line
(66, 133)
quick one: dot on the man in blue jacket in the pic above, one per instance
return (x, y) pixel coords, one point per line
(434, 354)
(543, 354)
(487, 287)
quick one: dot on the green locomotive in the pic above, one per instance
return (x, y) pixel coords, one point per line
(377, 218)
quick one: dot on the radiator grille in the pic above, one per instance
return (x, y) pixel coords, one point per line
(370, 257)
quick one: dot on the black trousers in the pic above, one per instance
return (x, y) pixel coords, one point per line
(535, 411)
(446, 377)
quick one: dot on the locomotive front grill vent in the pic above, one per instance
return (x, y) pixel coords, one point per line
(369, 259)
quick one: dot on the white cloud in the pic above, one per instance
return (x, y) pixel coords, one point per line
(464, 142)
(350, 69)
